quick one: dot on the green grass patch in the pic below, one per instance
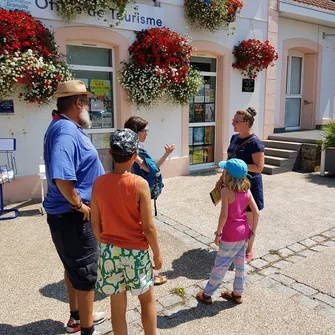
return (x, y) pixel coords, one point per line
(179, 291)
(274, 252)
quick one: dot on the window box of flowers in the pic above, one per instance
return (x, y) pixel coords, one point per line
(159, 69)
(253, 56)
(212, 15)
(28, 56)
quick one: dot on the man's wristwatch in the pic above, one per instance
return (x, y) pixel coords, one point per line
(217, 234)
(77, 207)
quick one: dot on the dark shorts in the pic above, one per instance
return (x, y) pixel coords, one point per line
(77, 248)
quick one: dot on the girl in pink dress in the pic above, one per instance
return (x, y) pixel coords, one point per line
(233, 231)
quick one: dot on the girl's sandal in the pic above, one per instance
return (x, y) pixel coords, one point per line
(229, 295)
(202, 297)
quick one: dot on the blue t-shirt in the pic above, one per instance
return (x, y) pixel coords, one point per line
(69, 155)
(245, 153)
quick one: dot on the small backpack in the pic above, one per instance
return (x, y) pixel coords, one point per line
(154, 177)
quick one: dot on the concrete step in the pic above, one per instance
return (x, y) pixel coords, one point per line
(279, 161)
(282, 145)
(272, 169)
(281, 152)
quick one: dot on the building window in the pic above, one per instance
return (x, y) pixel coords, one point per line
(94, 66)
(202, 111)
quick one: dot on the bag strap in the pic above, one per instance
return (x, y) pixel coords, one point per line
(245, 142)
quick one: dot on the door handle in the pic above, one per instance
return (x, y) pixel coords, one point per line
(307, 102)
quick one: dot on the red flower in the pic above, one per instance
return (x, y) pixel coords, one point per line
(253, 56)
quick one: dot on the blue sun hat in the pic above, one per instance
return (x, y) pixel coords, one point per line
(235, 167)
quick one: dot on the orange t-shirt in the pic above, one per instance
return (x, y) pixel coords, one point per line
(120, 215)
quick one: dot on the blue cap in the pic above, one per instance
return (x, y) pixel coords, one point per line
(235, 167)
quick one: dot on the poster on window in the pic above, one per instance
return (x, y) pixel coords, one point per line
(190, 136)
(209, 135)
(207, 93)
(210, 113)
(212, 95)
(191, 155)
(107, 120)
(191, 113)
(200, 97)
(96, 119)
(208, 154)
(199, 110)
(101, 95)
(198, 135)
(198, 156)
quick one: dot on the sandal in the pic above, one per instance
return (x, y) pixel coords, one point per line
(229, 295)
(249, 257)
(159, 280)
(202, 297)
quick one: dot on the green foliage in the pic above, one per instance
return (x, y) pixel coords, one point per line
(328, 140)
(179, 291)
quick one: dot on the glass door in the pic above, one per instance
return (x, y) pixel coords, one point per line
(202, 116)
(293, 93)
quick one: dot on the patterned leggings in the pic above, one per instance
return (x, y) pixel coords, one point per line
(228, 252)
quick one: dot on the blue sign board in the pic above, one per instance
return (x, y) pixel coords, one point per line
(7, 106)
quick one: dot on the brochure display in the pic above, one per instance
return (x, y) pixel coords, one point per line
(7, 173)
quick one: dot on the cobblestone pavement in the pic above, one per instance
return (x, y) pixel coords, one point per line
(267, 271)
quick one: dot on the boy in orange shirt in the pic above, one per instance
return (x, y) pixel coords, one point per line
(122, 222)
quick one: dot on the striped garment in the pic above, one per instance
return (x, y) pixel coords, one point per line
(227, 253)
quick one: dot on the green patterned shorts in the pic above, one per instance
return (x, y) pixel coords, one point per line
(122, 270)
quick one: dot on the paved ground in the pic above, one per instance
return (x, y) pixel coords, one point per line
(290, 285)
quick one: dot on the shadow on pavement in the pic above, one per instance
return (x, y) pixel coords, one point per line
(187, 315)
(30, 212)
(328, 180)
(42, 327)
(193, 264)
(58, 291)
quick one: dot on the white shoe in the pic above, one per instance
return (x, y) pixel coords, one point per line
(98, 317)
(96, 333)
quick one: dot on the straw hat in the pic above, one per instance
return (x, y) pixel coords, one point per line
(71, 87)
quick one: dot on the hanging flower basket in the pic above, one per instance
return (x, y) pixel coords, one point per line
(212, 15)
(71, 9)
(159, 68)
(28, 55)
(253, 56)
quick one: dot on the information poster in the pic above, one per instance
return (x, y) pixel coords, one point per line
(198, 156)
(97, 141)
(191, 155)
(198, 135)
(208, 154)
(209, 135)
(7, 106)
(199, 112)
(101, 98)
(190, 136)
(212, 95)
(96, 119)
(210, 113)
(207, 93)
(200, 97)
(107, 120)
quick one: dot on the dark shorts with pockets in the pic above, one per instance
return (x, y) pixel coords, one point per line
(77, 248)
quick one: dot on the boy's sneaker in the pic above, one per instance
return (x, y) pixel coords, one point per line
(73, 325)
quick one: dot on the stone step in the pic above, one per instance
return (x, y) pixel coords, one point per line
(279, 161)
(282, 145)
(272, 169)
(281, 152)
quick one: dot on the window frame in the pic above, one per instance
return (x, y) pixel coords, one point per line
(93, 68)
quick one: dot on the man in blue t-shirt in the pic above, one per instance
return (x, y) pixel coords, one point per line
(72, 164)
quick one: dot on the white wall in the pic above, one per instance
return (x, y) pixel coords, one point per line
(295, 29)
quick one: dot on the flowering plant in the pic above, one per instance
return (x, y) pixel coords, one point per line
(252, 56)
(212, 14)
(29, 56)
(71, 9)
(160, 69)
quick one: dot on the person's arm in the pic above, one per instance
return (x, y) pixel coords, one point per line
(168, 151)
(66, 187)
(148, 226)
(141, 163)
(95, 217)
(258, 162)
(255, 212)
(223, 215)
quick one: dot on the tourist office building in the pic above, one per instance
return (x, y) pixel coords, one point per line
(297, 93)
